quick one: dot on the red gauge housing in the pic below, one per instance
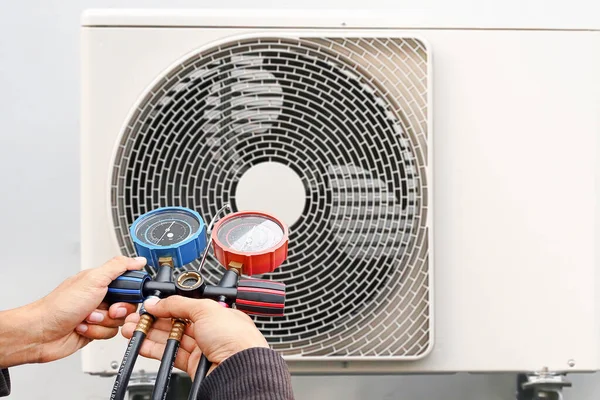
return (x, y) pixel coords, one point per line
(253, 262)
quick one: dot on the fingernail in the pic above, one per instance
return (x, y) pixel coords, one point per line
(140, 260)
(82, 328)
(96, 317)
(121, 312)
(151, 301)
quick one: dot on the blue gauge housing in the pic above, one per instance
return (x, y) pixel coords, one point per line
(176, 232)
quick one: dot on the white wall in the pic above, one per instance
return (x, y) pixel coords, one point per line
(39, 161)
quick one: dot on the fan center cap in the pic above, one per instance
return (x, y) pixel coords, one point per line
(273, 188)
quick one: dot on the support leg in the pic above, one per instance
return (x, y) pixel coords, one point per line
(544, 385)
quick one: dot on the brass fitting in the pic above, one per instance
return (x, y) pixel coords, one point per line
(236, 266)
(177, 329)
(145, 323)
(165, 261)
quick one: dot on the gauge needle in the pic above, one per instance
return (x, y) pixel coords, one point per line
(165, 232)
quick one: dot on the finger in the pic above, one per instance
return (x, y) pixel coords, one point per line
(96, 331)
(132, 321)
(163, 323)
(181, 307)
(101, 317)
(160, 333)
(155, 350)
(121, 310)
(211, 369)
(127, 329)
(116, 267)
(135, 317)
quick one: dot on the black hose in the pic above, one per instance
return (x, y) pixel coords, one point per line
(228, 280)
(201, 372)
(131, 354)
(161, 387)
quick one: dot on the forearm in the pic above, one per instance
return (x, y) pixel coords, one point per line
(254, 374)
(18, 339)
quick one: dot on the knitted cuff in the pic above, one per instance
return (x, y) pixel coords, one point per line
(5, 383)
(254, 374)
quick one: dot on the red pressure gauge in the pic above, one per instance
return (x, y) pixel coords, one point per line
(254, 239)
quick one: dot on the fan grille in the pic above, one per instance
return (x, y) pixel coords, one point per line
(349, 116)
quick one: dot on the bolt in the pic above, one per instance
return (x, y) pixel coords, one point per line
(114, 365)
(571, 362)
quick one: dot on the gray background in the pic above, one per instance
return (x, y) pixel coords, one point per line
(39, 163)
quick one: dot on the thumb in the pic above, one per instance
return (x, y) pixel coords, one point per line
(116, 267)
(181, 307)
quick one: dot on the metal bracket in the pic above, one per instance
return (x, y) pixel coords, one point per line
(140, 386)
(543, 385)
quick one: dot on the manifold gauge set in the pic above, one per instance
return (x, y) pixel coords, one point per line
(245, 243)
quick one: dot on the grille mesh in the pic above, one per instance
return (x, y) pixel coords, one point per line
(349, 116)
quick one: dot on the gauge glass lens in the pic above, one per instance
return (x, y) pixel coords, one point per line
(167, 228)
(250, 233)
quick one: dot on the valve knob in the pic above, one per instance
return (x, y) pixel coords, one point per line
(260, 297)
(127, 288)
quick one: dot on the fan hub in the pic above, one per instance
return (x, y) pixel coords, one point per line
(274, 188)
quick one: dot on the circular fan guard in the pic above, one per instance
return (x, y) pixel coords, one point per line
(358, 255)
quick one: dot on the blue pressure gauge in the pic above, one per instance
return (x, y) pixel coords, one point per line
(176, 232)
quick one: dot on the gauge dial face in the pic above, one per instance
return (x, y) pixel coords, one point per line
(250, 233)
(167, 228)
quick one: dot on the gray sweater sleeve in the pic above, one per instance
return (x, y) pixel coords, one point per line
(253, 374)
(4, 383)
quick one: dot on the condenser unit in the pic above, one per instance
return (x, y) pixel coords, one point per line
(438, 174)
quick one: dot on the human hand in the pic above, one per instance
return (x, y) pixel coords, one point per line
(216, 331)
(68, 318)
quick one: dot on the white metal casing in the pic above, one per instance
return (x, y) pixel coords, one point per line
(515, 157)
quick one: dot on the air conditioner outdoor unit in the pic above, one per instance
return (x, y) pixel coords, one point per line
(438, 172)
